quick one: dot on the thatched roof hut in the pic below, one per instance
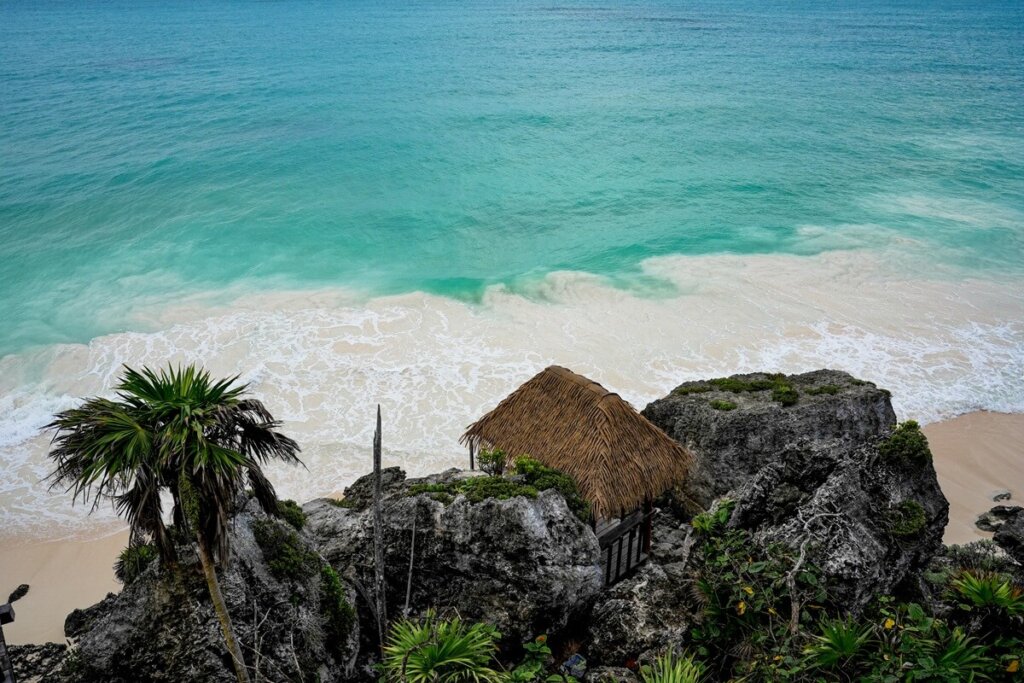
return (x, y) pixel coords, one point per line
(566, 421)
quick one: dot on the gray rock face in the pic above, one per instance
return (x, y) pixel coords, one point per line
(732, 445)
(524, 565)
(811, 475)
(37, 663)
(1010, 536)
(648, 611)
(996, 517)
(162, 627)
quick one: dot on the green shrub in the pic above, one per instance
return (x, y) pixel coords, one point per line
(337, 612)
(479, 489)
(719, 404)
(285, 553)
(906, 519)
(688, 389)
(347, 503)
(782, 391)
(830, 389)
(440, 651)
(492, 461)
(290, 512)
(543, 478)
(785, 394)
(907, 444)
(671, 669)
(132, 561)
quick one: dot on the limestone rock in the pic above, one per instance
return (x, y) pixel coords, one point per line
(524, 565)
(1010, 536)
(162, 625)
(732, 445)
(37, 663)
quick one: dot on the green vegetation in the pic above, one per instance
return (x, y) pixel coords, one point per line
(671, 669)
(132, 561)
(719, 404)
(988, 591)
(829, 389)
(290, 512)
(176, 432)
(906, 519)
(492, 461)
(440, 651)
(337, 612)
(347, 503)
(284, 551)
(907, 444)
(785, 394)
(691, 389)
(533, 477)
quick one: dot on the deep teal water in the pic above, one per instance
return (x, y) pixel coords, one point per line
(153, 149)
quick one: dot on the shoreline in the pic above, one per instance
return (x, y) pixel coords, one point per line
(975, 454)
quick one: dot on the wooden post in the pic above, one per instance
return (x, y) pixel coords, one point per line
(472, 452)
(378, 540)
(6, 668)
(648, 516)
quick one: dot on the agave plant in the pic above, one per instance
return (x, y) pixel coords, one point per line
(436, 650)
(839, 642)
(989, 590)
(668, 668)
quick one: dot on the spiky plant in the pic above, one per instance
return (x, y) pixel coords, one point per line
(180, 432)
(436, 650)
(989, 590)
(838, 643)
(669, 668)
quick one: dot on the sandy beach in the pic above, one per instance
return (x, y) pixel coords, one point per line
(975, 454)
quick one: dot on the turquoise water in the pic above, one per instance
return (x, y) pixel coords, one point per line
(148, 151)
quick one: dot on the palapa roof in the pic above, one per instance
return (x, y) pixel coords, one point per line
(618, 457)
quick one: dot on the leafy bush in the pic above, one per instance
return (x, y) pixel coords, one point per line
(542, 478)
(906, 519)
(346, 503)
(479, 489)
(671, 669)
(440, 651)
(785, 394)
(132, 561)
(907, 444)
(292, 513)
(337, 612)
(284, 551)
(719, 404)
(492, 461)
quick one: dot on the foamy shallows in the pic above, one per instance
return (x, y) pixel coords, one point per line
(323, 360)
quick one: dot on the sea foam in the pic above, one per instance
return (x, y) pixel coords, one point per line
(322, 360)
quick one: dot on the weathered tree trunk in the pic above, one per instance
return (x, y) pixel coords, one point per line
(378, 539)
(219, 606)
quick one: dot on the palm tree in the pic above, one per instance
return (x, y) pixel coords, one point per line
(179, 432)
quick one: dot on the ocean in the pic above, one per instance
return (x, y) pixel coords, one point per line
(423, 204)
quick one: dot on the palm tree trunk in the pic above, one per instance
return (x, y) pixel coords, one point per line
(210, 572)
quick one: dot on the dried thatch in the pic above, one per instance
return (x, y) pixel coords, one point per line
(566, 421)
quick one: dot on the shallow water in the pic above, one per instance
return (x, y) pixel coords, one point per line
(424, 204)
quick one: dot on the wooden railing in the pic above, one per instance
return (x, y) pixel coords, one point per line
(625, 546)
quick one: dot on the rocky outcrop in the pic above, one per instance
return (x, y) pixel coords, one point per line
(997, 516)
(525, 565)
(37, 663)
(733, 444)
(1010, 535)
(162, 625)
